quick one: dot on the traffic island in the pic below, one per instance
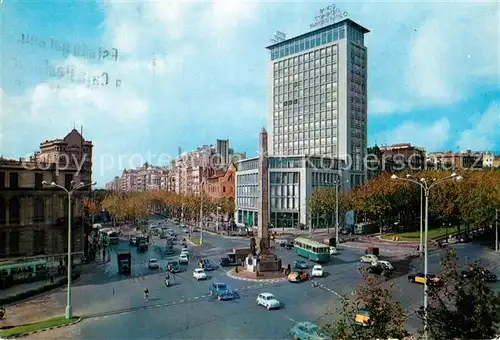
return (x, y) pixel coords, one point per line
(194, 241)
(240, 273)
(25, 330)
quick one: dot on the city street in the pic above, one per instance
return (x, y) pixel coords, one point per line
(114, 306)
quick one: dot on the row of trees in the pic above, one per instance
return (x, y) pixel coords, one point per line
(470, 201)
(463, 308)
(138, 205)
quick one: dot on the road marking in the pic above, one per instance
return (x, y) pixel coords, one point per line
(289, 319)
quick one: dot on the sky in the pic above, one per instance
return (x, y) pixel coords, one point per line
(189, 72)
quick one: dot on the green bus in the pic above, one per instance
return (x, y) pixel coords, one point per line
(313, 250)
(12, 272)
(365, 228)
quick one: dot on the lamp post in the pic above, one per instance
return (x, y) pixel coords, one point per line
(496, 231)
(426, 185)
(201, 213)
(420, 248)
(70, 191)
(337, 184)
(217, 221)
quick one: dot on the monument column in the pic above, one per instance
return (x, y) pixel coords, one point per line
(263, 201)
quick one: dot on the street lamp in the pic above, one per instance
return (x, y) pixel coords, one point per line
(426, 185)
(201, 213)
(337, 184)
(217, 221)
(70, 191)
(496, 231)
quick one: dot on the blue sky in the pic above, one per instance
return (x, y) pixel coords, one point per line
(433, 74)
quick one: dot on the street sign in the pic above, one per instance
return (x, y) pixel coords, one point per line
(328, 15)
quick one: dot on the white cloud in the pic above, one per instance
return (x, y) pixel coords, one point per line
(454, 47)
(486, 134)
(173, 33)
(381, 106)
(432, 136)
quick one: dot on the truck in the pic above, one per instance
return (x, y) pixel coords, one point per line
(237, 257)
(124, 263)
(142, 246)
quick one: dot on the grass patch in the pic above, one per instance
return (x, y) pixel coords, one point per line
(415, 235)
(195, 240)
(59, 321)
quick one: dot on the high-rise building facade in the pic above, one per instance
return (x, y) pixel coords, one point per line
(318, 98)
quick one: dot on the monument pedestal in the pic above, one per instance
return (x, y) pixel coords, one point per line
(263, 266)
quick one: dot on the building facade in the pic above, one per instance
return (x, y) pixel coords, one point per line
(222, 184)
(393, 158)
(455, 160)
(291, 181)
(490, 160)
(318, 96)
(34, 217)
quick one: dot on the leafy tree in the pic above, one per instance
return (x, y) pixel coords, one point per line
(465, 308)
(387, 319)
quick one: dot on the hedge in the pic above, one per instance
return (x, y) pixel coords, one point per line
(30, 293)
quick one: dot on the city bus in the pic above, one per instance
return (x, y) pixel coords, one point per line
(365, 228)
(313, 250)
(112, 237)
(20, 272)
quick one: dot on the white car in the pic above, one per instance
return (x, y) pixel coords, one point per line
(268, 300)
(199, 274)
(370, 258)
(183, 258)
(333, 251)
(385, 264)
(153, 264)
(317, 271)
(185, 251)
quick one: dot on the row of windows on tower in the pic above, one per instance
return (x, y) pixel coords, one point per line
(307, 66)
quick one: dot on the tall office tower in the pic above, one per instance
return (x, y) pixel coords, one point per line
(318, 99)
(222, 150)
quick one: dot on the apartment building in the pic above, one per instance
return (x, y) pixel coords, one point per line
(455, 160)
(34, 217)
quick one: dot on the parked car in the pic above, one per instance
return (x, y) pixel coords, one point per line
(268, 300)
(153, 264)
(307, 331)
(199, 274)
(317, 271)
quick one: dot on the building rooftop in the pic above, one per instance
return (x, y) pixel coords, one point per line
(318, 30)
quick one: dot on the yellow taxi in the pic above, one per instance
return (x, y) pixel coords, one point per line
(298, 276)
(432, 280)
(362, 318)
